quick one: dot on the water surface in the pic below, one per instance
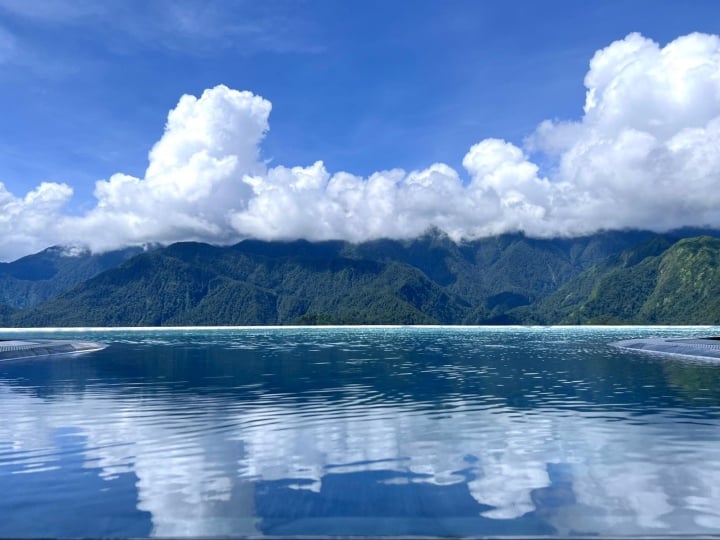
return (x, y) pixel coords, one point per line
(363, 431)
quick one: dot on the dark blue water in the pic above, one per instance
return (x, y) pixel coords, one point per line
(426, 431)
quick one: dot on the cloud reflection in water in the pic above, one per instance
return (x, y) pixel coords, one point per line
(210, 459)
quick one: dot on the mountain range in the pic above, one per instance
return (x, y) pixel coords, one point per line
(614, 277)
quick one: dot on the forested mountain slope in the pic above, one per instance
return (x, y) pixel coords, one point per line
(658, 282)
(38, 277)
(608, 277)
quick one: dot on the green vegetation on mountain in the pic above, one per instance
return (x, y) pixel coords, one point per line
(687, 290)
(6, 313)
(613, 277)
(258, 283)
(657, 282)
(41, 276)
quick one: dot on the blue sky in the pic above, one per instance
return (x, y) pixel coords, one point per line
(365, 86)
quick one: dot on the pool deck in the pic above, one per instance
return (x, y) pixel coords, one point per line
(702, 348)
(30, 348)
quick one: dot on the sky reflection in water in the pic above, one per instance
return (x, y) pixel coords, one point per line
(360, 431)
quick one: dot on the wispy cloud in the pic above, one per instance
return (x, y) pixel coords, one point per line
(8, 47)
(52, 11)
(190, 26)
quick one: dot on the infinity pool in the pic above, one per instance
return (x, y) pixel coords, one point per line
(359, 431)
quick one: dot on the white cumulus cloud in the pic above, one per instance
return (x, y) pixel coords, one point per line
(29, 224)
(644, 153)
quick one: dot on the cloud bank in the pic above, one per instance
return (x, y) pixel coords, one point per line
(645, 153)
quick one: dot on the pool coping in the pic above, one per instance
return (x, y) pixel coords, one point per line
(17, 349)
(705, 348)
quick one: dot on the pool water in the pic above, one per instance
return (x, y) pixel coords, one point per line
(359, 431)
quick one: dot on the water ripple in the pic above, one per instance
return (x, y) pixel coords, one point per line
(455, 431)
